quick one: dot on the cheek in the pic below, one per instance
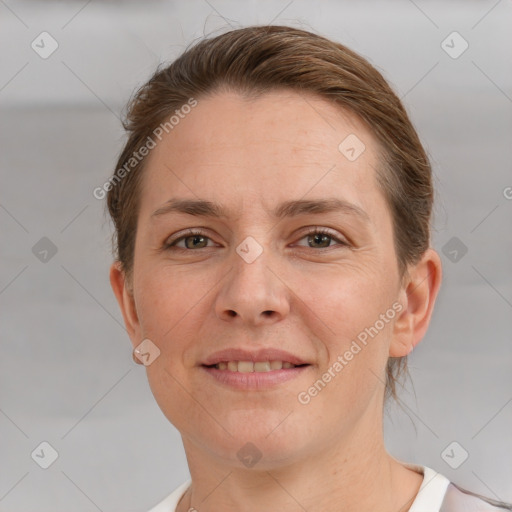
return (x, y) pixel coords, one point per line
(171, 309)
(348, 311)
(165, 295)
(345, 298)
(174, 303)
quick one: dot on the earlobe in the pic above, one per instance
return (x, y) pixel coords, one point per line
(417, 298)
(125, 300)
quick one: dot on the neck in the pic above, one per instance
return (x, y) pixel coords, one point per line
(355, 474)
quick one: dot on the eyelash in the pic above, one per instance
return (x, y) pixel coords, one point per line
(194, 232)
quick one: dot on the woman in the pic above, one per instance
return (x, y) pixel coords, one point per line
(272, 212)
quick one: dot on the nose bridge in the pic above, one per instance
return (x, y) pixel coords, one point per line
(252, 292)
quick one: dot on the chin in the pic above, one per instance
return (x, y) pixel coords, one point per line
(261, 447)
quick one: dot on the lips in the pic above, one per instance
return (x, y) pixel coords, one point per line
(261, 355)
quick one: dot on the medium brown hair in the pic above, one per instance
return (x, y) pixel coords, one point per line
(258, 59)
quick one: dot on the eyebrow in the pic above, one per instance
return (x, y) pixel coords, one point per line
(202, 208)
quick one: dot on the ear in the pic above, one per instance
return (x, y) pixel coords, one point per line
(417, 297)
(124, 295)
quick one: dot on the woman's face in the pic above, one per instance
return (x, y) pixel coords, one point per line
(253, 279)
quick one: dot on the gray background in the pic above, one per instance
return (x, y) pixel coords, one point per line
(66, 373)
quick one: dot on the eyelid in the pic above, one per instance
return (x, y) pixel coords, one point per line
(306, 231)
(177, 237)
(312, 230)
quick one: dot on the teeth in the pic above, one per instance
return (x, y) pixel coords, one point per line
(249, 366)
(245, 366)
(262, 366)
(276, 365)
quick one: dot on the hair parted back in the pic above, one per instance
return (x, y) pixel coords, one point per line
(260, 59)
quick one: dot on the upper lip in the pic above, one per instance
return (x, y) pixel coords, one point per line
(241, 354)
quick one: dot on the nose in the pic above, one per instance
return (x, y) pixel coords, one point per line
(253, 293)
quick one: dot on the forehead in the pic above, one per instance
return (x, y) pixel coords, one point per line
(280, 146)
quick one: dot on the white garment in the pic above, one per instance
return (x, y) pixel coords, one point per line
(436, 494)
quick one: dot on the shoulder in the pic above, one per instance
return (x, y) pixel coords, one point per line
(170, 502)
(458, 499)
(438, 494)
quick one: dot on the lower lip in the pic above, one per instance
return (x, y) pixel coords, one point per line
(254, 380)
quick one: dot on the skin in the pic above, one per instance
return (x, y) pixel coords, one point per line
(304, 295)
